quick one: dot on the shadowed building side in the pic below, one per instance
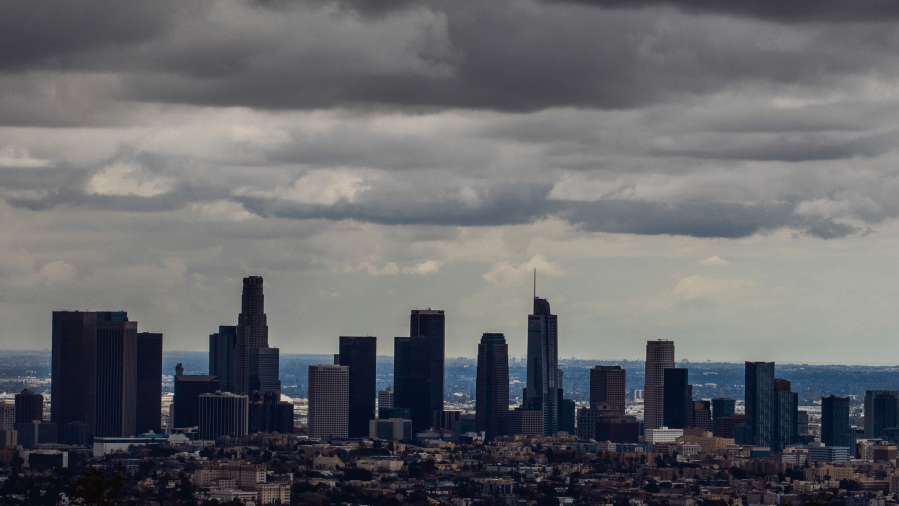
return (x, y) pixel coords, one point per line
(659, 356)
(492, 388)
(359, 354)
(149, 383)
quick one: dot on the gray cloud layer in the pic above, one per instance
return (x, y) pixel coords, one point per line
(666, 93)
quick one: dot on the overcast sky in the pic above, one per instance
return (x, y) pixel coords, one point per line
(722, 174)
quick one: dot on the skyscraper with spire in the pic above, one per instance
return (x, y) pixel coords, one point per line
(543, 390)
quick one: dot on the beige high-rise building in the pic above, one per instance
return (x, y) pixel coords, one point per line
(659, 356)
(328, 401)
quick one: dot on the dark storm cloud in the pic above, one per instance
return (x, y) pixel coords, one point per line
(837, 11)
(504, 55)
(52, 33)
(520, 204)
(788, 148)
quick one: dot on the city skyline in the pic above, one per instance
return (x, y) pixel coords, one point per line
(718, 175)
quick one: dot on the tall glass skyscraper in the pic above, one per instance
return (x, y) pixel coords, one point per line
(787, 417)
(835, 429)
(359, 354)
(543, 390)
(760, 427)
(677, 398)
(492, 389)
(659, 356)
(418, 369)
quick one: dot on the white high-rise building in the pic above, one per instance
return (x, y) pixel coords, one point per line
(328, 401)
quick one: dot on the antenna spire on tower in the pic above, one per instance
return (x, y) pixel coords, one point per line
(535, 282)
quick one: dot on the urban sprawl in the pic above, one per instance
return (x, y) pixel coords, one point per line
(105, 433)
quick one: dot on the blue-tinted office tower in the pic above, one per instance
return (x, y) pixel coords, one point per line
(359, 354)
(759, 428)
(542, 391)
(418, 369)
(835, 429)
(677, 401)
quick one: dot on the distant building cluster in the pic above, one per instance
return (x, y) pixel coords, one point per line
(106, 400)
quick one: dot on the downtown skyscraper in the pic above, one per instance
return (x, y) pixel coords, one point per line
(240, 355)
(359, 354)
(543, 390)
(97, 379)
(492, 387)
(760, 427)
(659, 356)
(418, 368)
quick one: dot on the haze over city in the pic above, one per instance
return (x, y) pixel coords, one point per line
(721, 174)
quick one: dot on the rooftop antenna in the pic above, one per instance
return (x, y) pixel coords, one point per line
(535, 282)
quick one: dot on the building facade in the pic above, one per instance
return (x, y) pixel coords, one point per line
(149, 383)
(760, 427)
(676, 399)
(328, 401)
(492, 388)
(607, 387)
(543, 389)
(787, 416)
(385, 402)
(659, 356)
(29, 407)
(418, 369)
(359, 354)
(185, 410)
(116, 379)
(835, 429)
(222, 414)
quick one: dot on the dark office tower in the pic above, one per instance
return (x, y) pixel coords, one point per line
(675, 399)
(607, 387)
(492, 391)
(255, 364)
(542, 390)
(116, 379)
(29, 407)
(222, 414)
(418, 369)
(186, 403)
(567, 416)
(359, 353)
(723, 407)
(760, 427)
(835, 430)
(802, 423)
(385, 402)
(221, 355)
(885, 413)
(73, 389)
(659, 356)
(880, 414)
(149, 383)
(268, 414)
(787, 416)
(702, 415)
